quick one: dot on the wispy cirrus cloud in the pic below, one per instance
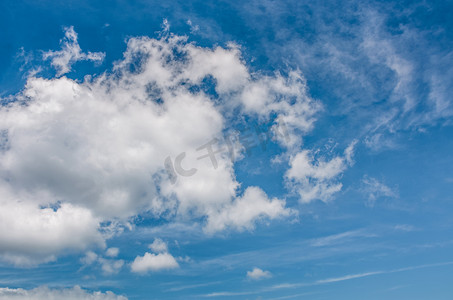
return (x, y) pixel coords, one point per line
(326, 281)
(375, 189)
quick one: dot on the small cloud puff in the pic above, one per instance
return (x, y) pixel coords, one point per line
(257, 274)
(158, 246)
(112, 252)
(155, 262)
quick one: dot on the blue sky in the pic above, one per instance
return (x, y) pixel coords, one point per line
(331, 126)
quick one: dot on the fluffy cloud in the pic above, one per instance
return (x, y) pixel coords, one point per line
(244, 211)
(257, 274)
(30, 233)
(111, 266)
(89, 258)
(70, 53)
(155, 262)
(44, 293)
(158, 246)
(107, 265)
(317, 178)
(112, 252)
(94, 150)
(287, 98)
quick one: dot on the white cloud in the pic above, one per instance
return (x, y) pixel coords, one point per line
(162, 260)
(404, 227)
(410, 106)
(381, 50)
(257, 274)
(244, 211)
(373, 75)
(379, 141)
(317, 178)
(96, 148)
(111, 266)
(439, 77)
(193, 28)
(44, 293)
(154, 262)
(89, 258)
(158, 246)
(376, 189)
(112, 252)
(32, 234)
(340, 238)
(287, 97)
(70, 53)
(107, 265)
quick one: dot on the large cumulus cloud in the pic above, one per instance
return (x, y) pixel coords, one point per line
(94, 150)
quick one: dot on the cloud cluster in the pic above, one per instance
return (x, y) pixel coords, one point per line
(382, 67)
(108, 264)
(160, 260)
(44, 293)
(287, 98)
(317, 179)
(94, 150)
(245, 210)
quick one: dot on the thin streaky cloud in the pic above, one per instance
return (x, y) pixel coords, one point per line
(193, 286)
(359, 275)
(296, 295)
(325, 281)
